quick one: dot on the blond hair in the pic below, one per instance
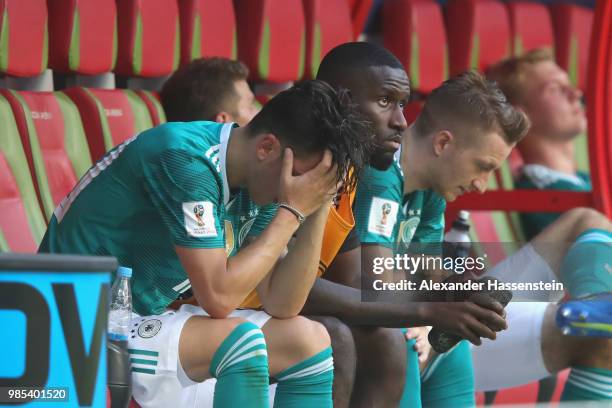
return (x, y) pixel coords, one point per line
(510, 74)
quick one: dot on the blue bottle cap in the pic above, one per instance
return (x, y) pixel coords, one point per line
(124, 271)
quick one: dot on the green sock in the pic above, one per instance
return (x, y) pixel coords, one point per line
(587, 267)
(588, 383)
(411, 397)
(307, 384)
(240, 366)
(448, 381)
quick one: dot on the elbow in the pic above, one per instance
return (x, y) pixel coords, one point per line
(217, 307)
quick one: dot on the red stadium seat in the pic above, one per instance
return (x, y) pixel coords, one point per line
(54, 142)
(271, 38)
(414, 32)
(156, 110)
(328, 24)
(360, 10)
(23, 37)
(478, 34)
(22, 224)
(149, 34)
(208, 28)
(530, 26)
(82, 36)
(110, 116)
(572, 26)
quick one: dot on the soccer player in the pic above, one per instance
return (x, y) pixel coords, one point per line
(540, 88)
(535, 84)
(443, 153)
(213, 89)
(179, 203)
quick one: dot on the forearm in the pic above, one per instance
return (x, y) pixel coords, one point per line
(293, 277)
(252, 263)
(332, 299)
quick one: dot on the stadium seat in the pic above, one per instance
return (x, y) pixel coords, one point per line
(530, 26)
(414, 32)
(478, 34)
(156, 110)
(82, 36)
(149, 38)
(328, 24)
(54, 142)
(271, 39)
(360, 11)
(23, 37)
(572, 27)
(110, 116)
(208, 28)
(22, 224)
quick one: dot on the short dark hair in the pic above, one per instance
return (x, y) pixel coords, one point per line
(201, 89)
(467, 102)
(310, 117)
(355, 56)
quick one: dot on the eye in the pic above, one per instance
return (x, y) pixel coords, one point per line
(403, 103)
(384, 101)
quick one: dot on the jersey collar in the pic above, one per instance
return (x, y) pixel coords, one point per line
(226, 131)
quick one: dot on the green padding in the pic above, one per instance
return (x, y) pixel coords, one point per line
(302, 55)
(177, 45)
(74, 136)
(156, 104)
(315, 55)
(114, 46)
(446, 68)
(581, 152)
(264, 52)
(475, 54)
(10, 145)
(518, 46)
(106, 132)
(573, 61)
(45, 56)
(74, 54)
(4, 42)
(137, 57)
(414, 62)
(39, 164)
(235, 45)
(142, 119)
(3, 244)
(196, 39)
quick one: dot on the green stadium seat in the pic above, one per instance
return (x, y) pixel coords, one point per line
(54, 142)
(22, 224)
(110, 116)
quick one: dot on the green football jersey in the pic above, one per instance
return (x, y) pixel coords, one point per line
(535, 176)
(384, 217)
(167, 186)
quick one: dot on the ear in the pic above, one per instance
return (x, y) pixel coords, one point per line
(442, 140)
(267, 147)
(223, 117)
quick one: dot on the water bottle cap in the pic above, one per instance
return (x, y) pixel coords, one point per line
(124, 271)
(464, 215)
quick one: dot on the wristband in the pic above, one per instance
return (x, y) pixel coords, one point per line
(300, 217)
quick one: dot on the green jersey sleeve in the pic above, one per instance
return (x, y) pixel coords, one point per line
(377, 206)
(186, 192)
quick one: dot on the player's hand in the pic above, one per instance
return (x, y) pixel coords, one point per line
(422, 346)
(471, 320)
(308, 191)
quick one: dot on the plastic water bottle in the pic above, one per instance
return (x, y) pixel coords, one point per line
(457, 241)
(120, 313)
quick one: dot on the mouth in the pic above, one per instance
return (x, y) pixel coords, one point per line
(393, 142)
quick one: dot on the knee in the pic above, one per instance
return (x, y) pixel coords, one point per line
(307, 336)
(584, 218)
(340, 334)
(386, 350)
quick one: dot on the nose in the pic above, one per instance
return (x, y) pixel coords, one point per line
(397, 120)
(479, 185)
(574, 93)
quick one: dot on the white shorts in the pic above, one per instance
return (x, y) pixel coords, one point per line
(515, 358)
(526, 265)
(158, 379)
